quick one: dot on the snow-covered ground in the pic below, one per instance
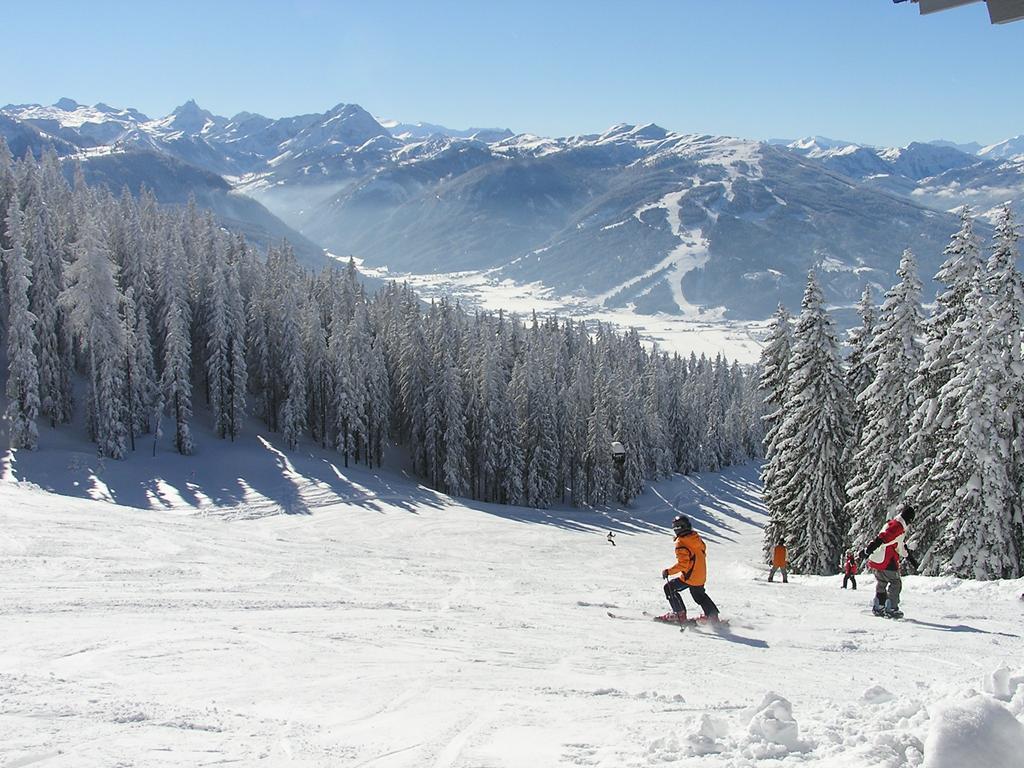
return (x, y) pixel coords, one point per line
(689, 331)
(277, 609)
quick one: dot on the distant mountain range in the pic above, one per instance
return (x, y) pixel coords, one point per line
(637, 216)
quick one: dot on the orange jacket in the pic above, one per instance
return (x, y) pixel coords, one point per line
(779, 556)
(691, 560)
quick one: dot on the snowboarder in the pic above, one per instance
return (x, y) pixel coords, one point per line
(884, 556)
(780, 559)
(691, 565)
(850, 570)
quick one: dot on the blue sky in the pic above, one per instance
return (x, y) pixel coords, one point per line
(866, 70)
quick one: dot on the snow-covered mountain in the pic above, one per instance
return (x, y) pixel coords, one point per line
(636, 216)
(1004, 150)
(419, 131)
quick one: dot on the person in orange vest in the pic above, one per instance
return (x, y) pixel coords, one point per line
(779, 562)
(691, 565)
(850, 570)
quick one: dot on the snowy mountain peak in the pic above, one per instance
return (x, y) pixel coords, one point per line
(1003, 150)
(817, 146)
(352, 122)
(191, 119)
(66, 104)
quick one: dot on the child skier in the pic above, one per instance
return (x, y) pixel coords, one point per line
(691, 565)
(884, 554)
(780, 559)
(850, 570)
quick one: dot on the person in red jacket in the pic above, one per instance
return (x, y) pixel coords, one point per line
(884, 555)
(849, 570)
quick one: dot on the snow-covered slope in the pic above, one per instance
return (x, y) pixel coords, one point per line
(273, 608)
(1004, 150)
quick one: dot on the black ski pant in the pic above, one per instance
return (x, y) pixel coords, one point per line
(674, 589)
(849, 577)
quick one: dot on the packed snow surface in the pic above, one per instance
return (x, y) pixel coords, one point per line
(272, 608)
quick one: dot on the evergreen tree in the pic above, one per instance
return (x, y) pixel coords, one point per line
(931, 432)
(92, 300)
(860, 365)
(22, 376)
(812, 437)
(979, 535)
(774, 384)
(875, 488)
(176, 382)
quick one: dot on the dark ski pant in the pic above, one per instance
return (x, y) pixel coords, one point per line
(888, 586)
(849, 577)
(675, 587)
(771, 574)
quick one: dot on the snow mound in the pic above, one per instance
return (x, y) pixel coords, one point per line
(707, 739)
(979, 731)
(876, 694)
(772, 728)
(1002, 684)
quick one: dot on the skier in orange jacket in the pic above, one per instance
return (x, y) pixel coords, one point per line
(780, 559)
(691, 565)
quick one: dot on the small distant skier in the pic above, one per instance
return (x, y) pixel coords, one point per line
(884, 555)
(691, 565)
(850, 570)
(780, 559)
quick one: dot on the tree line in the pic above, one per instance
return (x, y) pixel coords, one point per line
(926, 409)
(163, 313)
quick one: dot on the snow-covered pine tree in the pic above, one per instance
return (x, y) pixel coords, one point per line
(875, 488)
(378, 408)
(860, 371)
(7, 190)
(630, 434)
(931, 432)
(92, 300)
(979, 536)
(659, 459)
(22, 375)
(812, 438)
(217, 364)
(51, 326)
(598, 454)
(318, 372)
(414, 378)
(139, 392)
(176, 382)
(1006, 287)
(237, 373)
(292, 419)
(774, 385)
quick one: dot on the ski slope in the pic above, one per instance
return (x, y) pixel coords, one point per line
(379, 623)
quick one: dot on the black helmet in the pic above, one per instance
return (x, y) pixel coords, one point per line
(908, 513)
(681, 525)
